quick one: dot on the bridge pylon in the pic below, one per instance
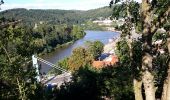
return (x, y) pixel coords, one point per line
(35, 64)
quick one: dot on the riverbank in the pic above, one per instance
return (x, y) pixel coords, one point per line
(57, 47)
(47, 51)
(66, 50)
(112, 29)
(64, 45)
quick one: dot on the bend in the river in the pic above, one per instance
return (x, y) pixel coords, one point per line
(63, 52)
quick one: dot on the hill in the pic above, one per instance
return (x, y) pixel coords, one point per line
(55, 16)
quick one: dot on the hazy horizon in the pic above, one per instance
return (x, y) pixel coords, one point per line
(53, 9)
(53, 4)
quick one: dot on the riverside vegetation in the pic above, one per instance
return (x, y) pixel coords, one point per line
(141, 74)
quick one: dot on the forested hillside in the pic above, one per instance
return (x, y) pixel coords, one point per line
(142, 72)
(51, 28)
(55, 16)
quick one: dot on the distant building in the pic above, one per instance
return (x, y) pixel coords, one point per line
(98, 64)
(106, 22)
(41, 22)
(35, 26)
(111, 60)
(110, 28)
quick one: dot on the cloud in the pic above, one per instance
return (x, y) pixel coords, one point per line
(52, 4)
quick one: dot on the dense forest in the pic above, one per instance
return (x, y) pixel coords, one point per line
(51, 28)
(45, 37)
(32, 16)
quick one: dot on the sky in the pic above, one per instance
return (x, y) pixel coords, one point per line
(55, 4)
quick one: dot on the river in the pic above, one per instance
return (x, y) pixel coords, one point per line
(61, 53)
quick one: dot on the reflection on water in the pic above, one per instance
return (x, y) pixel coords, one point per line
(61, 53)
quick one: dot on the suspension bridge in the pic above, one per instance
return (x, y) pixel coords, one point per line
(57, 80)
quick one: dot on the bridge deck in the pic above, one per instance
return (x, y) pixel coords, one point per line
(57, 80)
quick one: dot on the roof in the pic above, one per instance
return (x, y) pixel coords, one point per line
(114, 59)
(100, 64)
(104, 55)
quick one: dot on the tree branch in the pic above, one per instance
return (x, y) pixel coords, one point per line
(161, 19)
(7, 54)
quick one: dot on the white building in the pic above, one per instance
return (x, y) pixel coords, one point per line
(106, 22)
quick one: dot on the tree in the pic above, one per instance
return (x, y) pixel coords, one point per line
(83, 56)
(64, 63)
(79, 58)
(17, 75)
(95, 49)
(151, 17)
(166, 86)
(2, 2)
(92, 84)
(77, 32)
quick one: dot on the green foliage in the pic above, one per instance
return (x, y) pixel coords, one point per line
(132, 62)
(89, 25)
(30, 17)
(130, 59)
(147, 18)
(160, 71)
(84, 86)
(167, 26)
(159, 36)
(17, 79)
(95, 48)
(82, 56)
(64, 63)
(77, 32)
(137, 59)
(79, 58)
(134, 11)
(91, 84)
(17, 44)
(47, 37)
(117, 82)
(123, 52)
(118, 11)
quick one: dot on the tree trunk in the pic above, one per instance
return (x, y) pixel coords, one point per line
(168, 77)
(148, 78)
(137, 85)
(165, 87)
(137, 89)
(168, 85)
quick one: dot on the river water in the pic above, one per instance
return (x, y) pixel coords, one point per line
(61, 53)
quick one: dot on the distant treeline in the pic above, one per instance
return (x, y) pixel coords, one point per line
(41, 37)
(56, 16)
(50, 28)
(47, 37)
